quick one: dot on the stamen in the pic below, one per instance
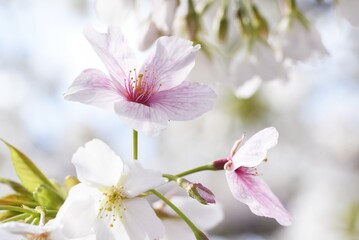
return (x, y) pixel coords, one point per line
(42, 236)
(111, 205)
(228, 165)
(140, 87)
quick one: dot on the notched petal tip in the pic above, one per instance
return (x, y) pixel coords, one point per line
(236, 145)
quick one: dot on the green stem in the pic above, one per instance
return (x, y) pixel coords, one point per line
(135, 144)
(35, 221)
(16, 218)
(207, 167)
(198, 234)
(170, 177)
(293, 5)
(17, 209)
(19, 203)
(30, 219)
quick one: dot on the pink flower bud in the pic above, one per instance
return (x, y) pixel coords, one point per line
(197, 191)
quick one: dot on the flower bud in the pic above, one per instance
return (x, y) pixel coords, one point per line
(260, 23)
(197, 191)
(223, 24)
(192, 21)
(71, 181)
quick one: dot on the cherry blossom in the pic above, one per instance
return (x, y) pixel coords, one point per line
(108, 201)
(243, 180)
(146, 99)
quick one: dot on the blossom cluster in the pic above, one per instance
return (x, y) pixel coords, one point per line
(112, 198)
(239, 33)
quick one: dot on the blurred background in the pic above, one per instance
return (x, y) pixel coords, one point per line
(305, 83)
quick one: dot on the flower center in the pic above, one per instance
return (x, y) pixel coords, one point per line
(42, 236)
(111, 204)
(248, 171)
(141, 87)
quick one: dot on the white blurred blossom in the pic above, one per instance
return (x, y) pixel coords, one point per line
(348, 9)
(251, 67)
(160, 21)
(298, 41)
(114, 11)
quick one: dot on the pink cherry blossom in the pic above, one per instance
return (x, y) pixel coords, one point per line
(146, 99)
(243, 179)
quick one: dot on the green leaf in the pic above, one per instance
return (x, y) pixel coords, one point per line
(59, 189)
(17, 187)
(17, 200)
(47, 197)
(29, 175)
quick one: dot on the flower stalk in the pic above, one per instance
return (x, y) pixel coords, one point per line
(198, 233)
(207, 167)
(135, 144)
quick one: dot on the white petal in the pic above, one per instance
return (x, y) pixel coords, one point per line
(184, 102)
(298, 42)
(137, 180)
(113, 50)
(114, 11)
(140, 221)
(267, 66)
(249, 88)
(261, 63)
(348, 9)
(97, 164)
(8, 236)
(22, 228)
(142, 118)
(150, 35)
(165, 12)
(176, 228)
(79, 211)
(106, 228)
(95, 88)
(254, 192)
(254, 151)
(172, 61)
(241, 70)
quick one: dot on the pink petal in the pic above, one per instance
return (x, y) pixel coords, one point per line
(171, 62)
(254, 151)
(184, 102)
(254, 192)
(113, 50)
(142, 117)
(93, 87)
